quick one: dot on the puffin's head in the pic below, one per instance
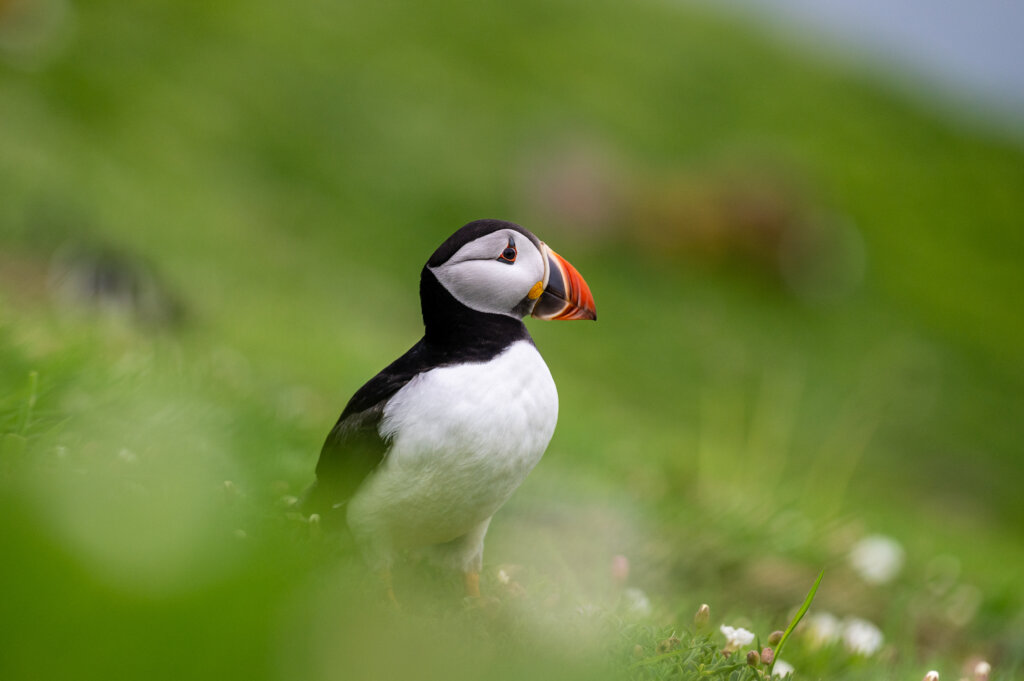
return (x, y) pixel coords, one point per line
(499, 267)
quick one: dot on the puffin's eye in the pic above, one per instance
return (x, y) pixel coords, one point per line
(509, 254)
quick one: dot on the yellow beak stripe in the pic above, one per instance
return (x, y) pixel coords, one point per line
(535, 292)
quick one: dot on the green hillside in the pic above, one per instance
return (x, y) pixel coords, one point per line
(809, 333)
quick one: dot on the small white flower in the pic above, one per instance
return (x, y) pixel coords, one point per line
(823, 629)
(861, 637)
(931, 676)
(877, 558)
(736, 637)
(782, 668)
(637, 602)
(503, 577)
(982, 670)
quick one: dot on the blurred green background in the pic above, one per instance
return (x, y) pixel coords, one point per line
(212, 221)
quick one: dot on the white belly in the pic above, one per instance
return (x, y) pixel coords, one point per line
(463, 439)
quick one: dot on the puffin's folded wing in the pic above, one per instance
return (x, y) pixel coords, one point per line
(354, 447)
(351, 452)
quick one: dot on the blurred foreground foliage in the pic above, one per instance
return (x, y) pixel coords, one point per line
(212, 217)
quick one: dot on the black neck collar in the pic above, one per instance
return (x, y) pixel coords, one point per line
(459, 333)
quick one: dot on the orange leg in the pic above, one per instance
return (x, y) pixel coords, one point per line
(472, 584)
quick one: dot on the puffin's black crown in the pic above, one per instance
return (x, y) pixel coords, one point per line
(471, 231)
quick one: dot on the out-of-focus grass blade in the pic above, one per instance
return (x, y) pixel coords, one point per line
(796, 620)
(30, 403)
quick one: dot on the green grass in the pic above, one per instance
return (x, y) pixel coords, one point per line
(286, 170)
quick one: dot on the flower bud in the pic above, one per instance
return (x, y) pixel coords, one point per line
(638, 650)
(753, 659)
(668, 645)
(703, 614)
(767, 656)
(774, 638)
(982, 670)
(931, 676)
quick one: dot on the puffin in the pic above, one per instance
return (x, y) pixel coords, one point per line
(427, 451)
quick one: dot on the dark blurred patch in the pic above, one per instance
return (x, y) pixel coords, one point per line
(111, 283)
(53, 253)
(749, 214)
(757, 218)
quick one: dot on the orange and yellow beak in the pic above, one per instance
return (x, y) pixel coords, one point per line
(565, 295)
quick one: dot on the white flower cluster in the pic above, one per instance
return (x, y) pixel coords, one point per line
(859, 636)
(877, 559)
(782, 668)
(736, 637)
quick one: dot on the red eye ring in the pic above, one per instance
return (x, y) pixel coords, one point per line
(510, 252)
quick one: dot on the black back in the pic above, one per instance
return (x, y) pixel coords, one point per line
(453, 334)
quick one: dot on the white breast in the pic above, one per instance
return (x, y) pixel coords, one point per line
(463, 439)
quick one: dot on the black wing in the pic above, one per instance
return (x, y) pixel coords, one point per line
(354, 447)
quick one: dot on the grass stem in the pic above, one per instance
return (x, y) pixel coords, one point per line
(796, 620)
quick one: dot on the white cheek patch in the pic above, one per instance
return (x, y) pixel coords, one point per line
(487, 284)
